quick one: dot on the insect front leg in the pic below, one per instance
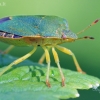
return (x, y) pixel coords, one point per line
(58, 64)
(18, 60)
(67, 51)
(48, 65)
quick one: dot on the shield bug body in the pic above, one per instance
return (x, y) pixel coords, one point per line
(39, 30)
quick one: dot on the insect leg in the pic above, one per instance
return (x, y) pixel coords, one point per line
(18, 60)
(8, 49)
(48, 63)
(42, 57)
(58, 64)
(67, 51)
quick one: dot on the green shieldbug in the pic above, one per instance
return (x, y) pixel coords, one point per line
(39, 30)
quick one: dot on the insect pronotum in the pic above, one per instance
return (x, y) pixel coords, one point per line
(40, 30)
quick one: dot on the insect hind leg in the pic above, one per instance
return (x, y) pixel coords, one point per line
(67, 51)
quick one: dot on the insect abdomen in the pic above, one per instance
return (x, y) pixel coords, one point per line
(8, 35)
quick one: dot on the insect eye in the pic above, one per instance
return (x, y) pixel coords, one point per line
(63, 36)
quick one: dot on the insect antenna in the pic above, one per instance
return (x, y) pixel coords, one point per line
(86, 37)
(93, 23)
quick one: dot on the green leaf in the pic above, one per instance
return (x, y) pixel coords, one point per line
(27, 81)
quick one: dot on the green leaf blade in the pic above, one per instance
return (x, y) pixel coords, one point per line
(30, 79)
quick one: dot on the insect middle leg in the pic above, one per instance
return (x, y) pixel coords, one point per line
(18, 60)
(67, 51)
(58, 64)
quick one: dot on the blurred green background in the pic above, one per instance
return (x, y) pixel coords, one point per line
(79, 14)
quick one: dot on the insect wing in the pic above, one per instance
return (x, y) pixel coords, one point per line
(19, 25)
(47, 26)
